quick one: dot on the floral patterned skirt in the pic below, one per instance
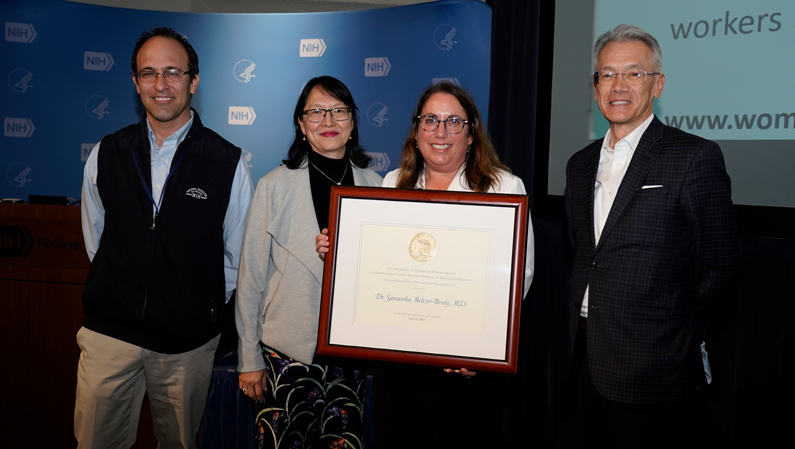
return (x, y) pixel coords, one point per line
(311, 406)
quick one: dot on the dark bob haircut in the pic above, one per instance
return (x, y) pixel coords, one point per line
(193, 58)
(300, 148)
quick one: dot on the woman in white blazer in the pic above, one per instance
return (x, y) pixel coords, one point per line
(447, 148)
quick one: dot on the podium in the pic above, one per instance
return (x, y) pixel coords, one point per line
(43, 266)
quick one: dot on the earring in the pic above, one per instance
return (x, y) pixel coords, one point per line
(350, 137)
(469, 147)
(304, 137)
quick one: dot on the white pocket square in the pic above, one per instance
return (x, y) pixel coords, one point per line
(656, 186)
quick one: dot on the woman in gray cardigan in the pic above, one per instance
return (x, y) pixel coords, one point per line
(302, 398)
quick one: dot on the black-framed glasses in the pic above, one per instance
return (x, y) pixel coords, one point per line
(630, 77)
(170, 75)
(453, 125)
(317, 115)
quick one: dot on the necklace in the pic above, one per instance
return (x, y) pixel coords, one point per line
(327, 177)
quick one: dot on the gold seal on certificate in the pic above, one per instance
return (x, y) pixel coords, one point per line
(422, 247)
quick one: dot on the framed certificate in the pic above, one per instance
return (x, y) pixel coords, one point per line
(426, 277)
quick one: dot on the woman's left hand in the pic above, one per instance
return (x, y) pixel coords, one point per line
(463, 371)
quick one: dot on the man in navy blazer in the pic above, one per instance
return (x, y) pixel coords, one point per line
(654, 234)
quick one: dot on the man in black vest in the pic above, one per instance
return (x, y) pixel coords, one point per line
(164, 205)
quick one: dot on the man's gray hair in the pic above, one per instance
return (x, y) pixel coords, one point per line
(628, 33)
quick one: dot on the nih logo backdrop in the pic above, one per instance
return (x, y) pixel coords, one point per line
(68, 79)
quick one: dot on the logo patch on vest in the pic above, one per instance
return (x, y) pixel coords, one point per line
(196, 193)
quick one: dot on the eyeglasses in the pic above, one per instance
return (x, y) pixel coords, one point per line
(630, 77)
(318, 115)
(453, 125)
(169, 76)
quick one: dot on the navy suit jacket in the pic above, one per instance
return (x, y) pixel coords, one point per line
(664, 264)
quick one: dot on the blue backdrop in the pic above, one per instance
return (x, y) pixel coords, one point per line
(68, 77)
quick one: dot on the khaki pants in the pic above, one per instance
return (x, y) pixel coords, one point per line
(112, 377)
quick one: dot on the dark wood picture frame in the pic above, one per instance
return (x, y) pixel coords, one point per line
(508, 363)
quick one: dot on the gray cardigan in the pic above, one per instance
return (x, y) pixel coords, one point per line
(279, 283)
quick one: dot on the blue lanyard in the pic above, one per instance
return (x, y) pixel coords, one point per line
(170, 172)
